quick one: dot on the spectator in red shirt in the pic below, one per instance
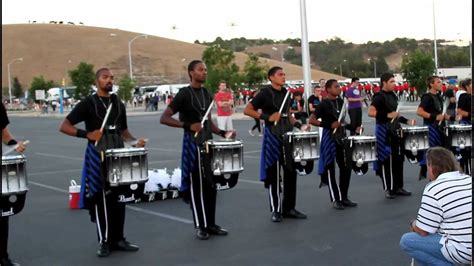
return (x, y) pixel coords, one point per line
(225, 104)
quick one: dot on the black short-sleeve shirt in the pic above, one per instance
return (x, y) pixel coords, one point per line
(270, 100)
(464, 103)
(385, 102)
(92, 109)
(313, 100)
(3, 117)
(433, 104)
(328, 110)
(191, 104)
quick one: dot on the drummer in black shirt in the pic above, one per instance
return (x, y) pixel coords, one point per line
(389, 164)
(274, 159)
(7, 139)
(431, 110)
(464, 103)
(191, 103)
(464, 113)
(96, 194)
(332, 148)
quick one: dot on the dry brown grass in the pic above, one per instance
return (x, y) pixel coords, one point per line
(47, 48)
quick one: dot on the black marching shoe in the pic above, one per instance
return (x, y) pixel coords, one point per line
(217, 230)
(338, 205)
(276, 217)
(293, 213)
(202, 234)
(389, 194)
(124, 245)
(349, 203)
(8, 262)
(402, 192)
(103, 251)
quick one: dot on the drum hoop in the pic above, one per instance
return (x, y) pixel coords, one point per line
(13, 159)
(461, 127)
(362, 138)
(302, 134)
(214, 143)
(125, 152)
(415, 129)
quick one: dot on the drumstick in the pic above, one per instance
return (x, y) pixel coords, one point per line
(445, 107)
(283, 104)
(398, 109)
(205, 116)
(104, 122)
(343, 110)
(14, 147)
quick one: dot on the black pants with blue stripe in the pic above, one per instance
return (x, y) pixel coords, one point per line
(202, 193)
(338, 192)
(391, 170)
(109, 217)
(282, 198)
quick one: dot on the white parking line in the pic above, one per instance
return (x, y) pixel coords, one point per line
(137, 209)
(250, 181)
(247, 152)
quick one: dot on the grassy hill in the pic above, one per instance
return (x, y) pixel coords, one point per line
(51, 50)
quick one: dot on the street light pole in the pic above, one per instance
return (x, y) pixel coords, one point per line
(340, 67)
(130, 52)
(435, 46)
(9, 79)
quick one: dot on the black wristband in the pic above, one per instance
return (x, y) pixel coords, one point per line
(452, 118)
(81, 133)
(187, 126)
(433, 116)
(222, 133)
(264, 117)
(12, 142)
(297, 125)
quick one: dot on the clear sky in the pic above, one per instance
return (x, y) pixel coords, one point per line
(357, 21)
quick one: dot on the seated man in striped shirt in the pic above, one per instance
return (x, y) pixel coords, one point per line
(442, 232)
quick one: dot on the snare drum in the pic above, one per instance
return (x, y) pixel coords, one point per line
(127, 166)
(305, 145)
(415, 138)
(363, 149)
(227, 156)
(14, 179)
(14, 185)
(460, 136)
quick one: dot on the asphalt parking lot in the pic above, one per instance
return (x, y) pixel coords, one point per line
(46, 232)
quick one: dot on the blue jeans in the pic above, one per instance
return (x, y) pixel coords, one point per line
(426, 250)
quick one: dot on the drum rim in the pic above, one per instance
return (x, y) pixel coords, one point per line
(302, 133)
(13, 157)
(216, 142)
(118, 150)
(460, 126)
(362, 138)
(414, 128)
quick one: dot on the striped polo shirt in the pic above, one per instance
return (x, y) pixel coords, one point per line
(446, 209)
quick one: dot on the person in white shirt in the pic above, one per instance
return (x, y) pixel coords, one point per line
(442, 232)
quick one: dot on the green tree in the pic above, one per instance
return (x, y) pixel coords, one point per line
(82, 77)
(40, 83)
(254, 73)
(17, 88)
(126, 86)
(416, 67)
(220, 66)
